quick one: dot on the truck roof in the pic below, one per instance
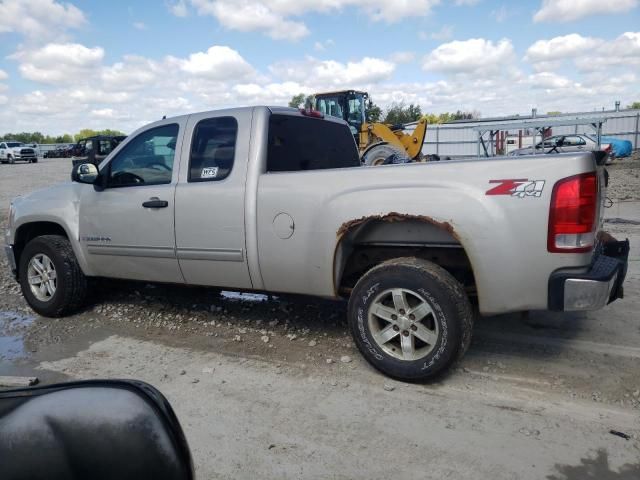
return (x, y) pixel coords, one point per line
(280, 110)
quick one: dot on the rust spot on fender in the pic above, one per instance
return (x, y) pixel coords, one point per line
(395, 217)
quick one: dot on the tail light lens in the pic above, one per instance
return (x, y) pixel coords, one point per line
(572, 216)
(311, 113)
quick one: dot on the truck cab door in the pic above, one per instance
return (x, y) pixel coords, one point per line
(127, 224)
(210, 200)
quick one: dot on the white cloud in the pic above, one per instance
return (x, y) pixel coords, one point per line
(330, 73)
(562, 11)
(322, 46)
(586, 53)
(475, 56)
(445, 33)
(39, 19)
(133, 73)
(140, 26)
(500, 14)
(247, 16)
(566, 46)
(467, 2)
(274, 17)
(549, 80)
(218, 63)
(622, 51)
(179, 8)
(402, 57)
(3, 75)
(58, 63)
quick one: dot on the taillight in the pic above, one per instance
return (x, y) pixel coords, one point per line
(572, 216)
(311, 113)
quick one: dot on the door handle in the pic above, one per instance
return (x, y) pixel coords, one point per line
(155, 202)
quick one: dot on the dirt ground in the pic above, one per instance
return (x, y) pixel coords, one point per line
(274, 387)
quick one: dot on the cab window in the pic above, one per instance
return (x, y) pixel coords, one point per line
(146, 160)
(299, 143)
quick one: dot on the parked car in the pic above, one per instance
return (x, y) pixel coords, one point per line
(95, 149)
(276, 200)
(564, 144)
(12, 151)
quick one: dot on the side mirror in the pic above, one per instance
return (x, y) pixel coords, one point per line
(98, 429)
(85, 173)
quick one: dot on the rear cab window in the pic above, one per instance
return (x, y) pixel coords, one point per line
(298, 143)
(213, 149)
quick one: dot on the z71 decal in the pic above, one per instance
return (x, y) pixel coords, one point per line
(517, 188)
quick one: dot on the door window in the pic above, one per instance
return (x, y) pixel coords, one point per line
(213, 149)
(105, 147)
(573, 141)
(145, 160)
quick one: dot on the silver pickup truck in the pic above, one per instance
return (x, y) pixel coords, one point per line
(275, 199)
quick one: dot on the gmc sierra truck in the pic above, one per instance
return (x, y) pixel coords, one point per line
(276, 200)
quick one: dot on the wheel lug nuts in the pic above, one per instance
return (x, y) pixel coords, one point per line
(412, 317)
(402, 312)
(414, 328)
(396, 328)
(394, 317)
(405, 333)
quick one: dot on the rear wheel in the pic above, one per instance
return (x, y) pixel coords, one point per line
(51, 279)
(410, 318)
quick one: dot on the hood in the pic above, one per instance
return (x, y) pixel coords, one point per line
(44, 196)
(18, 149)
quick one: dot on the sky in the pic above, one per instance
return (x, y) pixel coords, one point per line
(121, 64)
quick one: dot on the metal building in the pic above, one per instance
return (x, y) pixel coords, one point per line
(460, 138)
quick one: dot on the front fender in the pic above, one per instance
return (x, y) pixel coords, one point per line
(58, 204)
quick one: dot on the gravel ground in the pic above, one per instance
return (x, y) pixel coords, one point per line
(624, 180)
(274, 388)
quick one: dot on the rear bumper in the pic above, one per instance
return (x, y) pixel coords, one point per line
(595, 288)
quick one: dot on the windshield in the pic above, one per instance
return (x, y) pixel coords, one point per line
(14, 144)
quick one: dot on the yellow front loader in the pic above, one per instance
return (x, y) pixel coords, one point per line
(378, 143)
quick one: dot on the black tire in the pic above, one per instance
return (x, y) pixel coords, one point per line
(11, 160)
(71, 288)
(450, 309)
(35, 160)
(378, 154)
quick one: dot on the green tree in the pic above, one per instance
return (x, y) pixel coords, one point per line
(634, 106)
(88, 132)
(398, 113)
(374, 112)
(297, 100)
(301, 99)
(433, 118)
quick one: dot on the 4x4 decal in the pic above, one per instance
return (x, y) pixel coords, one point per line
(520, 187)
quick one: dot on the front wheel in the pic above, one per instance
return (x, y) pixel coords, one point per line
(51, 279)
(410, 318)
(383, 154)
